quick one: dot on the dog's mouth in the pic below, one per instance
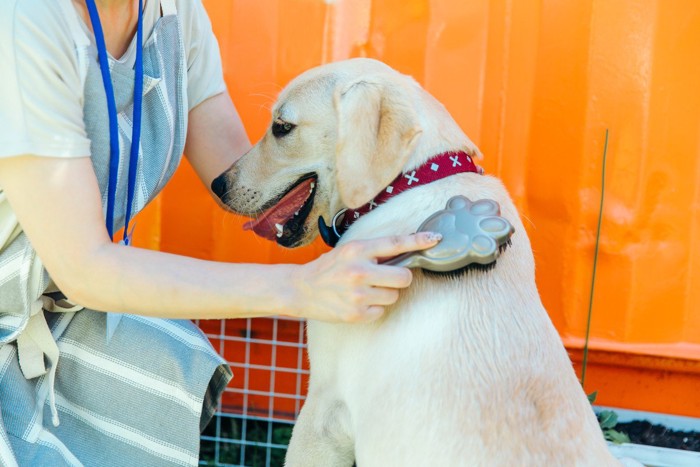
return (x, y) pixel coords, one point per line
(284, 217)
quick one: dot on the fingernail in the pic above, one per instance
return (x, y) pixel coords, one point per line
(434, 237)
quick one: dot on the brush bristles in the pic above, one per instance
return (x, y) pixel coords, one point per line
(474, 267)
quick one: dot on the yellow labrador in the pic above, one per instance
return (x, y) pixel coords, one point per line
(465, 369)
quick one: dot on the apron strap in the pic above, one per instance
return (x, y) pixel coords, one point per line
(80, 38)
(168, 7)
(37, 342)
(71, 15)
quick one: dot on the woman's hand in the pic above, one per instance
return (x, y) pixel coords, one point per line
(58, 204)
(348, 285)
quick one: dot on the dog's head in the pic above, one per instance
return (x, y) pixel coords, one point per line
(339, 134)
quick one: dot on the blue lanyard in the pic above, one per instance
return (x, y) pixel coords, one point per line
(113, 125)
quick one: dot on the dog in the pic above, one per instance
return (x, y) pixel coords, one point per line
(465, 368)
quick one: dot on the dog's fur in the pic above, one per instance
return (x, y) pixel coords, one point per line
(464, 370)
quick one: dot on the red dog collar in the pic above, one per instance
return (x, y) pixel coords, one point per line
(438, 167)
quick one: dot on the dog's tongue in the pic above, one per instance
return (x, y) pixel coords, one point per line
(280, 213)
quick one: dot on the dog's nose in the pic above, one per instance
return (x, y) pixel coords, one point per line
(218, 185)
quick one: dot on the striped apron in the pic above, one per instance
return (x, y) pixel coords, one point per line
(143, 396)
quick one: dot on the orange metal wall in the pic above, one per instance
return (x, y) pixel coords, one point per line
(535, 84)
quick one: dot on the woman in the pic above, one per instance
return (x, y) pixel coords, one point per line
(70, 391)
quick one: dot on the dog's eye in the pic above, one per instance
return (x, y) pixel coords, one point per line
(280, 129)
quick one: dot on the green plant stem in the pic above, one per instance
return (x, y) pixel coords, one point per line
(595, 265)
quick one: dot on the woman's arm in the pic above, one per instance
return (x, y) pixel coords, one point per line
(57, 202)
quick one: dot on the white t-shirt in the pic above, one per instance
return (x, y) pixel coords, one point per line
(41, 80)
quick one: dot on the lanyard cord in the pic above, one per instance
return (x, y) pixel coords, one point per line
(112, 112)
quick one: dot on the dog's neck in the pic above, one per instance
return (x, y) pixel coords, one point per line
(436, 168)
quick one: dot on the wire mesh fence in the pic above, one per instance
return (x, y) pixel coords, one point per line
(254, 420)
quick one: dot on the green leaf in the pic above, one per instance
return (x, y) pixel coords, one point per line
(607, 419)
(592, 396)
(616, 437)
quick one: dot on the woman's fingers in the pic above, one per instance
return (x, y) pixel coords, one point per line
(388, 276)
(348, 285)
(371, 304)
(383, 296)
(395, 245)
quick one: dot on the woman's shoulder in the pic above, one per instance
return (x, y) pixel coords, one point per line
(38, 22)
(39, 31)
(49, 13)
(41, 86)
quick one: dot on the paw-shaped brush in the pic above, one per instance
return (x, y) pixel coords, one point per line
(472, 233)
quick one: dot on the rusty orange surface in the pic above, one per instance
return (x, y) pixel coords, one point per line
(535, 85)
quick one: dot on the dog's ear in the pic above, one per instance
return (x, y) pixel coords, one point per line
(377, 130)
